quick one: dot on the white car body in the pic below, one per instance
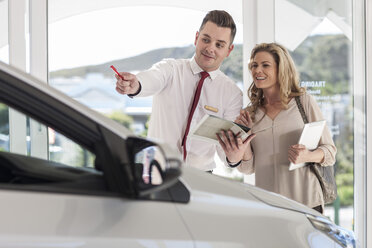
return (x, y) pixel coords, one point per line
(220, 214)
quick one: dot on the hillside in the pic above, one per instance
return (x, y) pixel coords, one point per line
(320, 57)
(136, 63)
(232, 65)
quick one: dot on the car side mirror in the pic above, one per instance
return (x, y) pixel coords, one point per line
(153, 170)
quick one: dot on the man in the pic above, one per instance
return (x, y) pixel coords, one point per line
(174, 83)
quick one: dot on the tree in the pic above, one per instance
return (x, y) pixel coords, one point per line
(122, 118)
(4, 119)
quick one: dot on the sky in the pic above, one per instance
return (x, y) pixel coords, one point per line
(101, 36)
(105, 35)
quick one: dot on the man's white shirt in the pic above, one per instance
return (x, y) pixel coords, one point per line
(173, 83)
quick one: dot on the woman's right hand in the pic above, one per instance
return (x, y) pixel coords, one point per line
(233, 147)
(244, 119)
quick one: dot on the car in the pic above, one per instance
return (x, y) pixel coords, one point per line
(137, 193)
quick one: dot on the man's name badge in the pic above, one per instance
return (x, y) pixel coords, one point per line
(211, 108)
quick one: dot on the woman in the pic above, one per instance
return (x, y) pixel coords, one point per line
(275, 118)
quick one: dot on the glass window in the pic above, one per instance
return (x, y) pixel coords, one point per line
(318, 34)
(65, 151)
(69, 167)
(61, 149)
(80, 62)
(4, 127)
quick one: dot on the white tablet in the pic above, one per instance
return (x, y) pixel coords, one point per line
(310, 136)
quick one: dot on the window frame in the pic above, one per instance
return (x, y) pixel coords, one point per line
(360, 121)
(368, 183)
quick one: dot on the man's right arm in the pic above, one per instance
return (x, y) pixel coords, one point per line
(146, 83)
(157, 78)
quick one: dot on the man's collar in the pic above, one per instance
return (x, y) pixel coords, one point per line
(195, 68)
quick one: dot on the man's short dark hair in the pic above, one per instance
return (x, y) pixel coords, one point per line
(222, 19)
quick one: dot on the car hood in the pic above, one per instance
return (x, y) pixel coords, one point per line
(198, 181)
(279, 201)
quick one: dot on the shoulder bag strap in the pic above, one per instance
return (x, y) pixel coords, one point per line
(301, 108)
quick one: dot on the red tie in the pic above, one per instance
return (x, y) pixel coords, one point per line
(204, 75)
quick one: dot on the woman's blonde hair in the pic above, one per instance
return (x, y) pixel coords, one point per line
(288, 79)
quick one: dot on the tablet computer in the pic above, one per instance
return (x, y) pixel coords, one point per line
(310, 136)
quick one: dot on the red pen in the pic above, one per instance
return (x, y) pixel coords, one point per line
(112, 67)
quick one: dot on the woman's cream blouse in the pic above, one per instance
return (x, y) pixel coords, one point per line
(270, 153)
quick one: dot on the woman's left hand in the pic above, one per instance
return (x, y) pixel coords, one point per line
(298, 154)
(233, 147)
